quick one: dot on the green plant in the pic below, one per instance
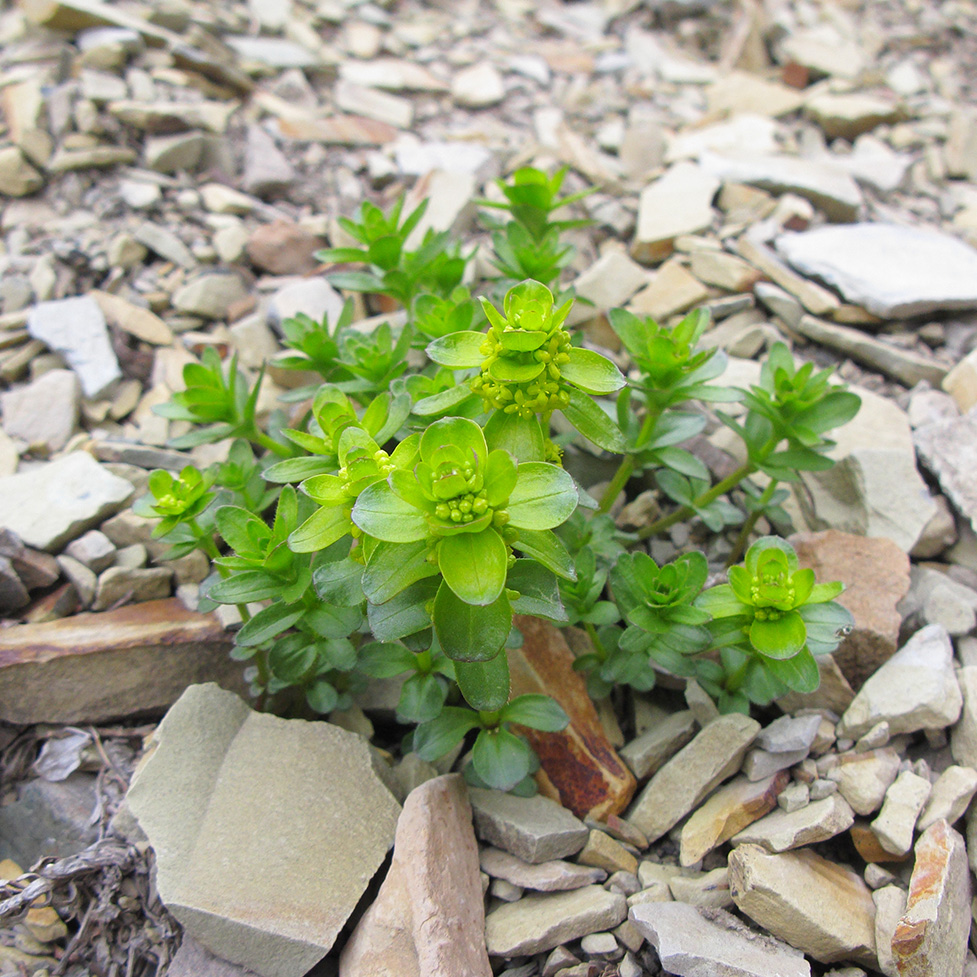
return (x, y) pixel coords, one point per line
(416, 502)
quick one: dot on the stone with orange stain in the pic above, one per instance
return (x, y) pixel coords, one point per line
(868, 845)
(931, 936)
(733, 807)
(579, 767)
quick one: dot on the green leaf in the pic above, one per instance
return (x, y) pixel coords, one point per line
(290, 661)
(321, 696)
(242, 531)
(593, 423)
(823, 592)
(826, 625)
(501, 758)
(458, 350)
(546, 547)
(435, 738)
(521, 436)
(321, 529)
(404, 614)
(485, 685)
(507, 370)
(544, 496)
(267, 623)
(799, 673)
(591, 372)
(500, 478)
(460, 432)
(381, 513)
(779, 639)
(536, 711)
(721, 601)
(244, 587)
(474, 565)
(340, 582)
(385, 659)
(394, 566)
(469, 632)
(328, 621)
(297, 469)
(444, 400)
(421, 698)
(539, 592)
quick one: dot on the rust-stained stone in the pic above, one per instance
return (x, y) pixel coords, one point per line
(339, 130)
(734, 806)
(868, 845)
(94, 667)
(580, 768)
(875, 572)
(931, 936)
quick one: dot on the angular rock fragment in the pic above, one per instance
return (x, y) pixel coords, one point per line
(579, 765)
(903, 803)
(538, 923)
(553, 876)
(713, 943)
(651, 749)
(949, 450)
(894, 271)
(950, 797)
(931, 936)
(714, 755)
(730, 809)
(875, 573)
(428, 917)
(863, 778)
(815, 905)
(51, 504)
(91, 668)
(195, 799)
(915, 689)
(76, 329)
(534, 829)
(782, 830)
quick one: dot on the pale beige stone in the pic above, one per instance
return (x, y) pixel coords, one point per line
(680, 202)
(538, 923)
(554, 876)
(950, 797)
(863, 778)
(820, 907)
(714, 755)
(730, 809)
(782, 830)
(602, 851)
(674, 289)
(707, 890)
(903, 803)
(961, 382)
(890, 904)
(724, 270)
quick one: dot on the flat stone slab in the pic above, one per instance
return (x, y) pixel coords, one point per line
(713, 943)
(92, 668)
(50, 505)
(949, 450)
(534, 829)
(266, 831)
(892, 271)
(538, 923)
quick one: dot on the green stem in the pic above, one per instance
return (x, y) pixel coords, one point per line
(751, 521)
(425, 661)
(626, 468)
(206, 543)
(266, 442)
(595, 641)
(686, 511)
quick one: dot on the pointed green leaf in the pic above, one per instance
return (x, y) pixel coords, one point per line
(501, 758)
(340, 582)
(521, 436)
(592, 422)
(779, 639)
(546, 547)
(799, 673)
(267, 623)
(485, 685)
(244, 587)
(321, 529)
(421, 698)
(394, 566)
(435, 738)
(474, 565)
(537, 712)
(405, 613)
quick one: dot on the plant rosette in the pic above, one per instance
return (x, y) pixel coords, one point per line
(783, 615)
(470, 506)
(529, 367)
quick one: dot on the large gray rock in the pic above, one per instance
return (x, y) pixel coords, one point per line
(915, 689)
(51, 504)
(428, 917)
(691, 943)
(891, 270)
(76, 329)
(45, 411)
(266, 831)
(210, 295)
(782, 830)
